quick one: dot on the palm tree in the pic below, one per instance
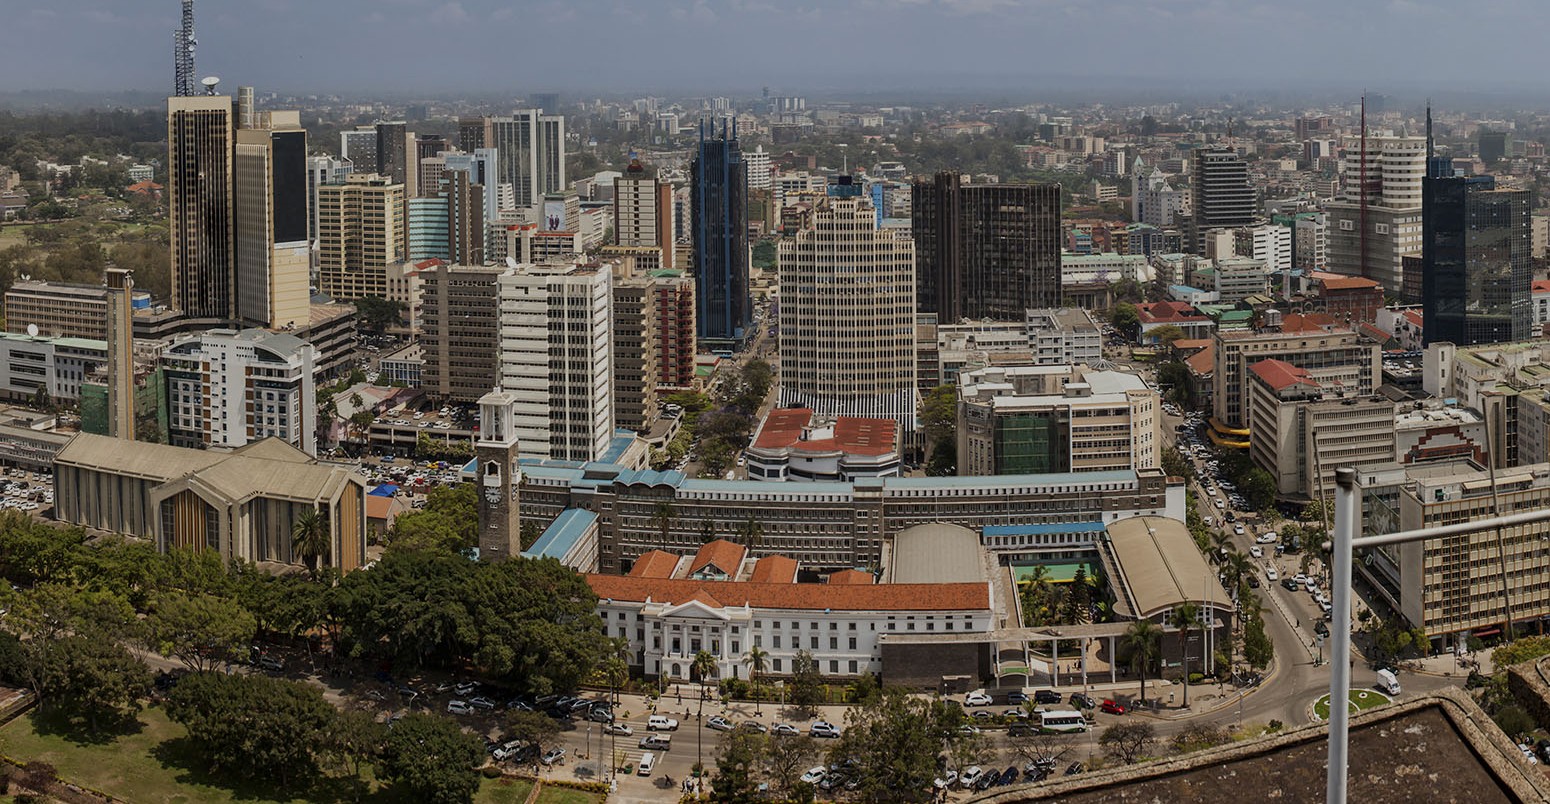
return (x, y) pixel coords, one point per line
(664, 515)
(617, 665)
(1184, 618)
(752, 532)
(1038, 586)
(704, 665)
(310, 537)
(1142, 641)
(755, 658)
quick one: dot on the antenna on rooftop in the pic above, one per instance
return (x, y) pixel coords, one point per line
(210, 83)
(183, 43)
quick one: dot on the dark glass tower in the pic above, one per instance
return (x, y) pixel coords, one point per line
(719, 212)
(1476, 273)
(985, 250)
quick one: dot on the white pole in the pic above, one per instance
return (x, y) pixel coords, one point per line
(1347, 515)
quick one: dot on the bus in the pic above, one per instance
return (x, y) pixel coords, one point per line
(1063, 721)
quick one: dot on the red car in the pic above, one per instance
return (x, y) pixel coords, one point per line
(1111, 707)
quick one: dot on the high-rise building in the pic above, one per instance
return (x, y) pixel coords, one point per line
(395, 155)
(1392, 168)
(1152, 200)
(448, 225)
(758, 162)
(480, 165)
(1494, 146)
(201, 133)
(530, 153)
(471, 134)
(847, 316)
(563, 392)
(460, 328)
(1332, 355)
(1476, 282)
(360, 233)
(985, 250)
(719, 222)
(322, 170)
(227, 388)
(359, 148)
(427, 147)
(676, 337)
(273, 254)
(1223, 196)
(643, 211)
(636, 357)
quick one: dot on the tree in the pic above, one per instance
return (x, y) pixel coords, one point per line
(1175, 465)
(1125, 319)
(756, 659)
(939, 417)
(1129, 290)
(1128, 742)
(1174, 377)
(431, 760)
(310, 537)
(894, 743)
(449, 522)
(199, 630)
(786, 757)
(377, 314)
(737, 765)
(1199, 736)
(751, 532)
(533, 727)
(1185, 617)
(355, 738)
(703, 667)
(806, 685)
(1166, 334)
(1258, 650)
(90, 677)
(1259, 488)
(254, 726)
(663, 514)
(409, 609)
(1142, 639)
(534, 624)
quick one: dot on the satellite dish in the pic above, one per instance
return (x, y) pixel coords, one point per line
(210, 83)
(32, 330)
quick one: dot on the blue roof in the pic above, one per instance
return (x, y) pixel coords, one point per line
(1183, 289)
(1032, 530)
(384, 490)
(618, 446)
(1002, 481)
(562, 534)
(651, 477)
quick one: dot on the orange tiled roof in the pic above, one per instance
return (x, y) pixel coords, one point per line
(857, 436)
(1279, 374)
(1414, 317)
(774, 569)
(803, 596)
(1202, 362)
(1348, 283)
(1293, 323)
(851, 577)
(1542, 286)
(1167, 311)
(727, 556)
(378, 507)
(654, 564)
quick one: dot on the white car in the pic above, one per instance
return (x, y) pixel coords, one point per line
(1267, 538)
(815, 774)
(1256, 552)
(823, 729)
(661, 723)
(1221, 503)
(1270, 573)
(968, 778)
(945, 780)
(1237, 529)
(459, 708)
(978, 698)
(1210, 520)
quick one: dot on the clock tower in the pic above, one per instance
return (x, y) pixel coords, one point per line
(500, 521)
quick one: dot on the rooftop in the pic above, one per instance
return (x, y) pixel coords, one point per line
(794, 428)
(562, 534)
(936, 553)
(1161, 566)
(1279, 374)
(798, 596)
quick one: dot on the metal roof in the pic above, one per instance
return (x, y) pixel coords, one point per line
(936, 553)
(1161, 566)
(562, 534)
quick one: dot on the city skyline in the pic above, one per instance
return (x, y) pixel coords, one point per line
(965, 45)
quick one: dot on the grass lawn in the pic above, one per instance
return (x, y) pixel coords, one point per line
(561, 795)
(503, 791)
(1360, 699)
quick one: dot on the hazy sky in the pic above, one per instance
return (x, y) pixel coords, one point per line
(506, 46)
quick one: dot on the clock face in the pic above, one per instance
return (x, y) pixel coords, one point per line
(493, 494)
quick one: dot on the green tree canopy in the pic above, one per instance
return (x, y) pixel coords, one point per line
(199, 630)
(431, 760)
(90, 677)
(254, 726)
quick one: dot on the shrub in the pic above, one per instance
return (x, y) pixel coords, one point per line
(491, 772)
(1196, 678)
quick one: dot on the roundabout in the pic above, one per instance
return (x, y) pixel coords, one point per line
(1360, 699)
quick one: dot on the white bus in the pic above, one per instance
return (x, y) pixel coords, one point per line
(1062, 721)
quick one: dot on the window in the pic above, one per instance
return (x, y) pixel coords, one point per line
(834, 643)
(852, 643)
(852, 666)
(834, 666)
(776, 641)
(813, 642)
(775, 665)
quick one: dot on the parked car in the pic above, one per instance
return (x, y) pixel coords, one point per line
(271, 664)
(1008, 776)
(977, 698)
(456, 707)
(621, 729)
(824, 729)
(815, 774)
(1017, 697)
(754, 726)
(785, 730)
(482, 704)
(1290, 584)
(1046, 697)
(1083, 701)
(970, 777)
(554, 756)
(1111, 707)
(945, 780)
(719, 723)
(1266, 538)
(1075, 768)
(600, 714)
(465, 689)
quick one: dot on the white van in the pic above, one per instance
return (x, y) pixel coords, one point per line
(1387, 682)
(657, 742)
(648, 761)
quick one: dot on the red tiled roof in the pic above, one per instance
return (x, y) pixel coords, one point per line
(1279, 374)
(784, 426)
(1202, 362)
(1414, 317)
(1372, 331)
(851, 577)
(654, 564)
(1186, 344)
(802, 596)
(1348, 283)
(1167, 311)
(1293, 323)
(726, 556)
(378, 507)
(864, 436)
(1542, 286)
(774, 569)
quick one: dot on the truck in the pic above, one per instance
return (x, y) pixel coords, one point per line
(1387, 682)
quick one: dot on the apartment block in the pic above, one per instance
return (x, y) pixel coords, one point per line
(636, 364)
(1302, 430)
(360, 234)
(229, 388)
(1329, 353)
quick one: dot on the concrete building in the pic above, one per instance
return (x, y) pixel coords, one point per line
(1302, 430)
(636, 352)
(1064, 336)
(120, 339)
(1238, 278)
(676, 339)
(562, 387)
(985, 250)
(273, 252)
(758, 162)
(447, 224)
(719, 232)
(1035, 419)
(1477, 279)
(62, 309)
(322, 170)
(1393, 168)
(1154, 567)
(1152, 200)
(460, 330)
(643, 211)
(793, 444)
(1330, 354)
(725, 602)
(230, 388)
(1223, 197)
(201, 135)
(360, 234)
(40, 369)
(241, 504)
(847, 317)
(530, 152)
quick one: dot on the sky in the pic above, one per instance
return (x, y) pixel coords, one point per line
(495, 47)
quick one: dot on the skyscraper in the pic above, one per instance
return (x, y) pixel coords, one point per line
(847, 315)
(1476, 277)
(1223, 196)
(480, 165)
(1372, 242)
(273, 255)
(448, 225)
(200, 134)
(121, 354)
(360, 233)
(985, 250)
(395, 154)
(643, 211)
(359, 147)
(719, 214)
(530, 153)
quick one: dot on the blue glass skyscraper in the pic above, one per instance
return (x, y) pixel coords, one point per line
(718, 206)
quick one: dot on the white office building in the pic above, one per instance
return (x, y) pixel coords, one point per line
(226, 388)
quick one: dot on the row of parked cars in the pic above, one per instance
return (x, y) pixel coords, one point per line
(977, 778)
(1041, 697)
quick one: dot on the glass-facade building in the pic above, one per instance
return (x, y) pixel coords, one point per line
(718, 203)
(1477, 274)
